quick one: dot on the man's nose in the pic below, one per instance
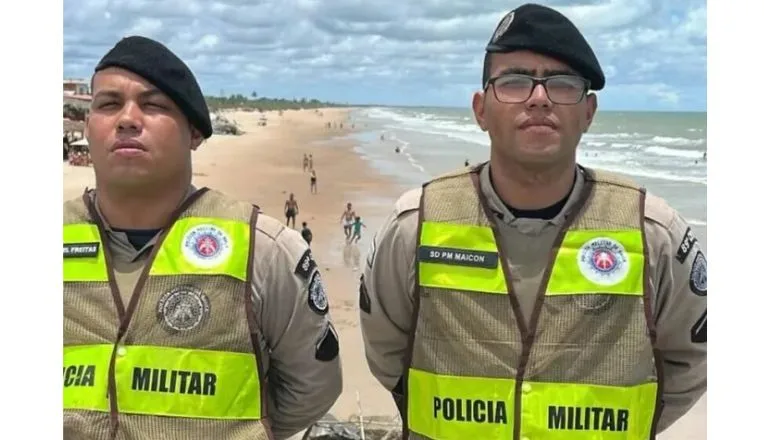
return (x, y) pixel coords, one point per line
(130, 117)
(539, 97)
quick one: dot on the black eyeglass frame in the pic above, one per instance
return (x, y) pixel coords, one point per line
(535, 82)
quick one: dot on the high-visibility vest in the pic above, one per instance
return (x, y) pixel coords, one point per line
(583, 366)
(181, 359)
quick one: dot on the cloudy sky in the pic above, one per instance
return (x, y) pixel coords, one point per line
(394, 52)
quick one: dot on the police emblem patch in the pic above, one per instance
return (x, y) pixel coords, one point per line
(306, 265)
(603, 261)
(183, 308)
(698, 275)
(505, 23)
(206, 246)
(316, 295)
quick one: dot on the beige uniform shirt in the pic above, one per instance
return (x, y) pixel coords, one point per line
(301, 387)
(388, 288)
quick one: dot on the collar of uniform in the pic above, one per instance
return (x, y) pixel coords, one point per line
(532, 225)
(119, 242)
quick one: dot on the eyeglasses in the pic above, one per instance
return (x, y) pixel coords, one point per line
(560, 89)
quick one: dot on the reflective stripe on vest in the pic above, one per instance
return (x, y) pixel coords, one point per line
(458, 408)
(163, 381)
(168, 261)
(447, 255)
(454, 257)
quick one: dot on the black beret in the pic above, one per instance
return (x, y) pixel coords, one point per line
(157, 64)
(546, 31)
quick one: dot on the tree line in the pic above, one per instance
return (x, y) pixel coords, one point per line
(235, 101)
(266, 104)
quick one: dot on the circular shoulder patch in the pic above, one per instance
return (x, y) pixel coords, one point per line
(183, 308)
(316, 295)
(698, 283)
(603, 261)
(206, 246)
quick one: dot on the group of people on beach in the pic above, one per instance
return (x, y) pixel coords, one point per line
(75, 156)
(291, 210)
(351, 222)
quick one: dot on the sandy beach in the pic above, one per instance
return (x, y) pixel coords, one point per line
(263, 166)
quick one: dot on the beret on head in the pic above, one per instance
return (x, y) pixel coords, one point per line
(162, 68)
(546, 31)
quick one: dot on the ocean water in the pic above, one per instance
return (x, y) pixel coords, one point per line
(662, 151)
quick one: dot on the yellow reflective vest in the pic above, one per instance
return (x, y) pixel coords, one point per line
(583, 367)
(181, 359)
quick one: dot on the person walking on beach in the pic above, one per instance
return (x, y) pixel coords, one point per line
(291, 209)
(529, 289)
(307, 234)
(313, 182)
(159, 339)
(357, 225)
(310, 162)
(347, 217)
(305, 162)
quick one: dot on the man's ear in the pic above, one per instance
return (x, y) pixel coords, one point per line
(478, 109)
(196, 139)
(591, 105)
(85, 126)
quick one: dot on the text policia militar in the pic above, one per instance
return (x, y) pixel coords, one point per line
(559, 417)
(149, 379)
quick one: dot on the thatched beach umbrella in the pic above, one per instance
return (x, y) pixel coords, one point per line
(70, 125)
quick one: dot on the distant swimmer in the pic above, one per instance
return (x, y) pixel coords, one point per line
(398, 149)
(382, 137)
(467, 163)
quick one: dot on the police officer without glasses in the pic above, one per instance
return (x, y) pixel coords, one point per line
(529, 297)
(187, 314)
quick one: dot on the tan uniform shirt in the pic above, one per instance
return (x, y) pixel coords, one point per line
(301, 388)
(389, 284)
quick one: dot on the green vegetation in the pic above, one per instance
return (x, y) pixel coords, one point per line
(265, 104)
(74, 113)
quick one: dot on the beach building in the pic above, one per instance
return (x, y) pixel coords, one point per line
(77, 92)
(76, 87)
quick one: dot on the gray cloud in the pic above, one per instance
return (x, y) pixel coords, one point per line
(297, 45)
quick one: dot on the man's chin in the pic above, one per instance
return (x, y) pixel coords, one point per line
(540, 154)
(131, 177)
